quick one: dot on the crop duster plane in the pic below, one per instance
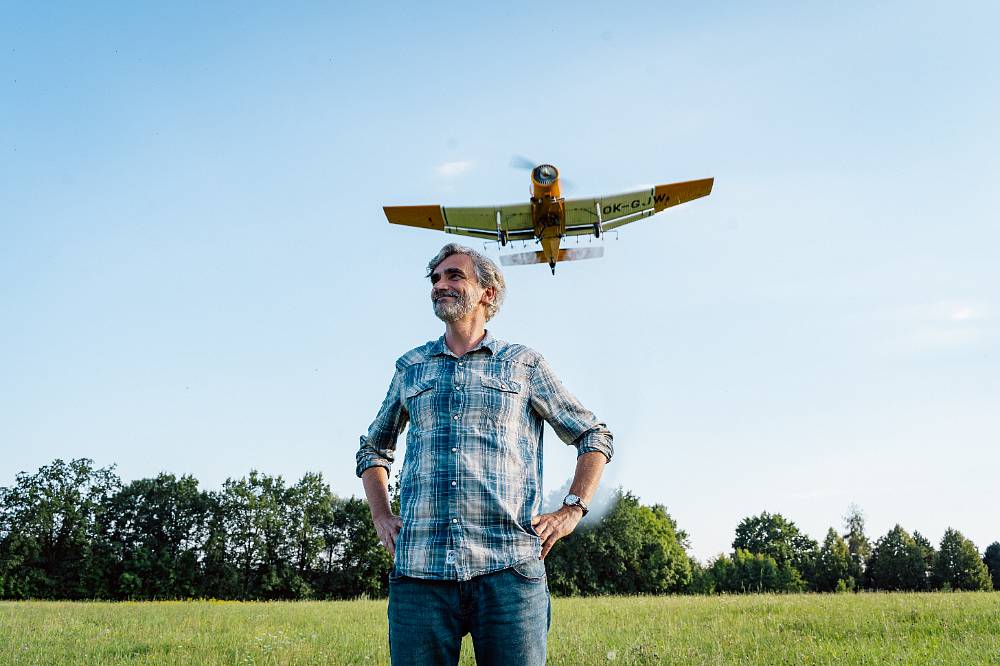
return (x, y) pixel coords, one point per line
(548, 217)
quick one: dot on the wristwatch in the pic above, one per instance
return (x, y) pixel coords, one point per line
(575, 500)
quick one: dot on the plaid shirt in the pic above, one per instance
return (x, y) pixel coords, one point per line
(472, 475)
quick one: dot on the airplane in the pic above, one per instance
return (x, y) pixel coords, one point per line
(548, 218)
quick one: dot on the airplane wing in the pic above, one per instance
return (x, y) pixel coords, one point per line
(478, 221)
(620, 209)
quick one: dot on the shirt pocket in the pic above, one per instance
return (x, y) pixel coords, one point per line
(419, 400)
(502, 399)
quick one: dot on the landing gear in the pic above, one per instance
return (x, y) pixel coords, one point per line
(501, 233)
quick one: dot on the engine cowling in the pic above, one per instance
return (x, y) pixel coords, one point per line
(545, 181)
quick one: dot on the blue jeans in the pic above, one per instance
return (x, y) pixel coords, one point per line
(508, 613)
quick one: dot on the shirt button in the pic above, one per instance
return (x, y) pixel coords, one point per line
(454, 520)
(454, 449)
(458, 387)
(455, 417)
(454, 483)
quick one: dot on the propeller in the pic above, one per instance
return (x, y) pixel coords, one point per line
(522, 162)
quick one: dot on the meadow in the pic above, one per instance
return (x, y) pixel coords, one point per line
(906, 628)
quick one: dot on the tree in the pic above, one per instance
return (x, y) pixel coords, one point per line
(747, 572)
(702, 581)
(778, 537)
(634, 549)
(833, 565)
(256, 519)
(311, 516)
(157, 529)
(51, 546)
(897, 563)
(992, 561)
(858, 547)
(959, 566)
(927, 555)
(220, 575)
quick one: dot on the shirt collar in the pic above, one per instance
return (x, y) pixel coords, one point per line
(488, 342)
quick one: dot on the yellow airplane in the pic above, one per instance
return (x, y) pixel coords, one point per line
(548, 217)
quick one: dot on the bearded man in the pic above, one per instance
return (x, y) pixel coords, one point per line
(469, 542)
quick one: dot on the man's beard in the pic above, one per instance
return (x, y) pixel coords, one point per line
(448, 311)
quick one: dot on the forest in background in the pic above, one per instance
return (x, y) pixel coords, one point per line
(72, 530)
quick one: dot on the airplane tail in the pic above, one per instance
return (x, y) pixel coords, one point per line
(568, 254)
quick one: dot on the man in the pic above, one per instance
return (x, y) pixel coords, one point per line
(468, 545)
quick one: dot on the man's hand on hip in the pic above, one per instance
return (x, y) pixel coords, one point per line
(551, 527)
(387, 527)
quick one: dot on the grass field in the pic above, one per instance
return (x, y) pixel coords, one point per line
(936, 628)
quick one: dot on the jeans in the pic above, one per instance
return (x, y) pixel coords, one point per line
(508, 613)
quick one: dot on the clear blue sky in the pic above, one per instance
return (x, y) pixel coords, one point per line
(196, 275)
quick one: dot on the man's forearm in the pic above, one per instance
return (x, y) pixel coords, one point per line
(376, 483)
(589, 468)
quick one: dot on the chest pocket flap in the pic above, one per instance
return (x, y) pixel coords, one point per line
(505, 385)
(419, 387)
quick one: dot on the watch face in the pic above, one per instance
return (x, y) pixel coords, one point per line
(571, 499)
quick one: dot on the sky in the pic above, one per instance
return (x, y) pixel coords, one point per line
(196, 276)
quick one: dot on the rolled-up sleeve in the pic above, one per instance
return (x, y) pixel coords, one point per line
(574, 424)
(378, 446)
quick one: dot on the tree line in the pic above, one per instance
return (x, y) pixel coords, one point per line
(770, 554)
(75, 531)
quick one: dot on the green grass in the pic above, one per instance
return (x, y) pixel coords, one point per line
(936, 628)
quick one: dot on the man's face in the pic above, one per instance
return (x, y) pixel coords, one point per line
(455, 292)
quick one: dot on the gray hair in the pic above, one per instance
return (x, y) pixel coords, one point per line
(487, 273)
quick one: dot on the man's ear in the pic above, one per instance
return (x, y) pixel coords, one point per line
(489, 295)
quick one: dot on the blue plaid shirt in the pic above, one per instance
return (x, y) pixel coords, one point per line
(472, 475)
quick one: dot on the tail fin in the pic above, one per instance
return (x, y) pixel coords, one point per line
(570, 254)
